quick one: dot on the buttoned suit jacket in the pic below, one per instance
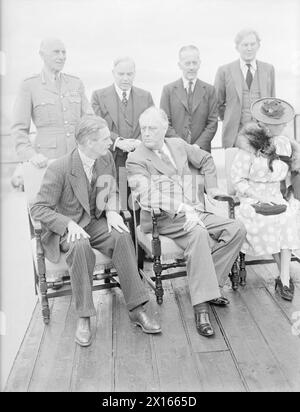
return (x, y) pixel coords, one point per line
(229, 87)
(53, 113)
(160, 187)
(63, 196)
(105, 104)
(204, 117)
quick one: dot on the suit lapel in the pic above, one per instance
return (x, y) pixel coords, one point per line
(262, 79)
(181, 93)
(198, 95)
(156, 161)
(237, 78)
(48, 85)
(176, 152)
(78, 181)
(137, 101)
(111, 103)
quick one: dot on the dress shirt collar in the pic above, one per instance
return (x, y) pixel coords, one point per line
(86, 161)
(186, 83)
(120, 92)
(49, 75)
(244, 66)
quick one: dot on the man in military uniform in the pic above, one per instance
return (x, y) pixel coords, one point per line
(55, 102)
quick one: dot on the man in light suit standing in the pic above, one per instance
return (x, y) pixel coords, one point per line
(240, 83)
(78, 206)
(158, 171)
(121, 105)
(190, 103)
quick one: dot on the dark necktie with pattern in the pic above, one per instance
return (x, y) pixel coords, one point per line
(167, 161)
(124, 98)
(94, 175)
(249, 76)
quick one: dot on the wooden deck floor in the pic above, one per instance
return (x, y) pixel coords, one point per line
(254, 348)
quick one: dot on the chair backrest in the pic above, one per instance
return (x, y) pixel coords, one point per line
(33, 177)
(230, 154)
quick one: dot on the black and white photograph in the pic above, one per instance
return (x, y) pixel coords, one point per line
(150, 198)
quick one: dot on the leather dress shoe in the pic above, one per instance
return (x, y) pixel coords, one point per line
(221, 301)
(140, 318)
(285, 292)
(203, 324)
(83, 334)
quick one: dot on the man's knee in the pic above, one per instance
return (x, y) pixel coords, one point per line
(81, 244)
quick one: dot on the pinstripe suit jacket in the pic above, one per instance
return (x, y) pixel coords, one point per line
(63, 196)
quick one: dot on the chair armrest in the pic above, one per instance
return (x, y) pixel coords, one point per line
(232, 200)
(156, 213)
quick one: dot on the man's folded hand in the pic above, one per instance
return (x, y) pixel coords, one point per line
(75, 232)
(115, 220)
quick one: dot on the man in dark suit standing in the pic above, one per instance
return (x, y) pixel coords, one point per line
(78, 206)
(190, 103)
(121, 105)
(240, 83)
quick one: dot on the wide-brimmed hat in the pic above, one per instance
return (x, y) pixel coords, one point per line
(271, 110)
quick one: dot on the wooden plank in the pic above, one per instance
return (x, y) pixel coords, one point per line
(258, 366)
(199, 343)
(277, 332)
(93, 366)
(218, 372)
(22, 369)
(54, 364)
(176, 364)
(134, 369)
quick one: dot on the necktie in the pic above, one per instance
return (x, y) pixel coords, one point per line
(190, 108)
(249, 76)
(94, 175)
(165, 158)
(190, 96)
(57, 82)
(124, 98)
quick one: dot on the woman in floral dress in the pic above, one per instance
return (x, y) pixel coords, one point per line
(258, 169)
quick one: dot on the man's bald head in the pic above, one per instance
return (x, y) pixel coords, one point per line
(53, 53)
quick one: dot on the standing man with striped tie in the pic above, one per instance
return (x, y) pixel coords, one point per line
(190, 103)
(121, 105)
(240, 83)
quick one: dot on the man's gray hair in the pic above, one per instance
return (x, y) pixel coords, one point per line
(123, 59)
(159, 112)
(243, 33)
(190, 47)
(88, 125)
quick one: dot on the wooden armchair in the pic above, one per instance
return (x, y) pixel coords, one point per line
(165, 254)
(44, 270)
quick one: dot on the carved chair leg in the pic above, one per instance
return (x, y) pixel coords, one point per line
(234, 276)
(107, 272)
(243, 272)
(159, 291)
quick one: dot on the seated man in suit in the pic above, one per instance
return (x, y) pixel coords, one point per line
(241, 82)
(78, 207)
(158, 171)
(190, 103)
(121, 105)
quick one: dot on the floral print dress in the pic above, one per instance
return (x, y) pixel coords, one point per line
(253, 179)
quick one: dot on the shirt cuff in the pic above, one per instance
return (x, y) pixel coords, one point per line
(116, 141)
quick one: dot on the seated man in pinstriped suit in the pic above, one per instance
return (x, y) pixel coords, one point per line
(78, 207)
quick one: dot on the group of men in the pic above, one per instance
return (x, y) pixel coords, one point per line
(93, 144)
